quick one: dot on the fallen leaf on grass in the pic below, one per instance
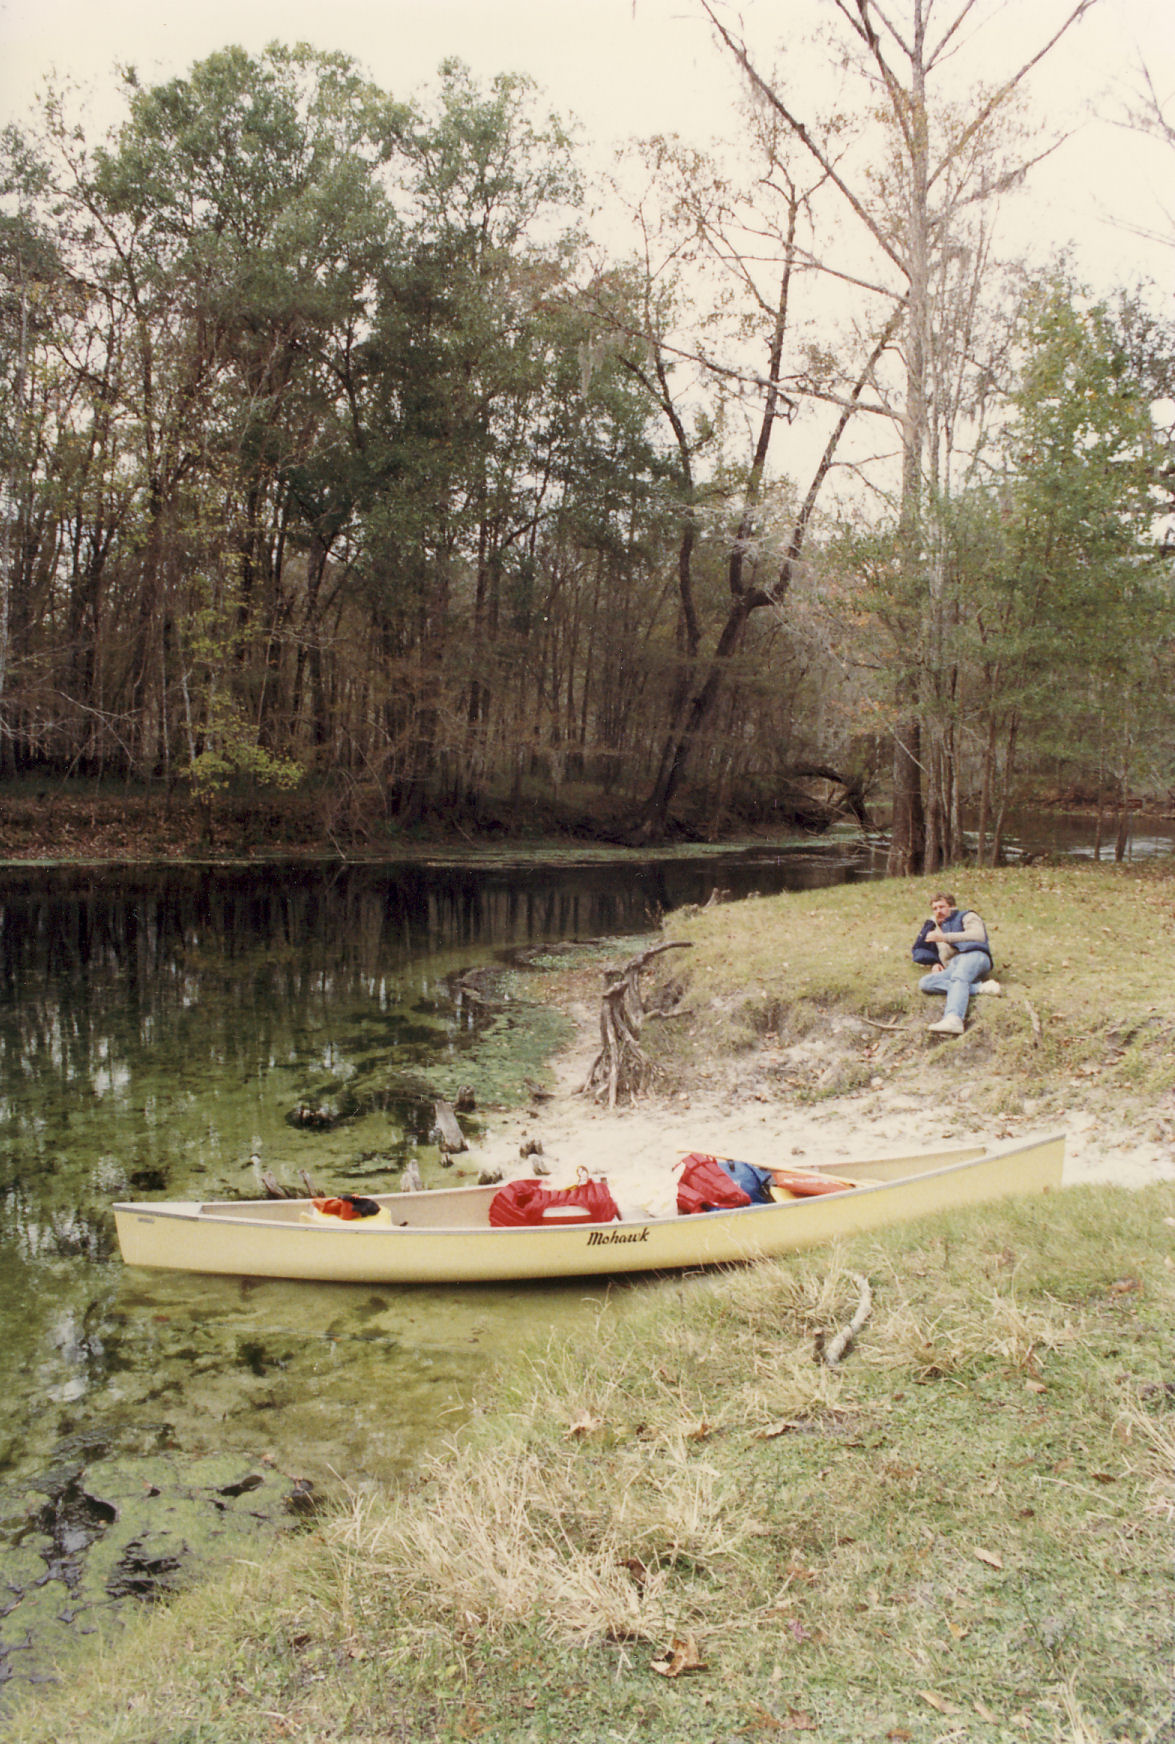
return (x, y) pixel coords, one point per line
(960, 1631)
(1122, 1286)
(939, 1703)
(683, 1656)
(776, 1429)
(584, 1425)
(1035, 1387)
(792, 1721)
(984, 1712)
(796, 1571)
(990, 1557)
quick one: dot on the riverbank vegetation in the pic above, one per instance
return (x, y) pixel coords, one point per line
(338, 457)
(679, 1525)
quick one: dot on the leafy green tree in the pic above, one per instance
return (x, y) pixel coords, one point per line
(1058, 636)
(460, 421)
(245, 223)
(1072, 612)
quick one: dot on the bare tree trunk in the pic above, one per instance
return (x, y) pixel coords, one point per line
(908, 826)
(908, 240)
(1122, 839)
(997, 840)
(988, 777)
(1099, 820)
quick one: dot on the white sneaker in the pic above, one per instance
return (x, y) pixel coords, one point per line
(946, 1026)
(988, 986)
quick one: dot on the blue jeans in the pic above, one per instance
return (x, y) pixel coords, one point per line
(957, 980)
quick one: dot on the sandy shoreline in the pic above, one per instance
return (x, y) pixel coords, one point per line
(638, 1147)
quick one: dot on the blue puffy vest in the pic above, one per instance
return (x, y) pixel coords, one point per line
(954, 924)
(927, 954)
(923, 953)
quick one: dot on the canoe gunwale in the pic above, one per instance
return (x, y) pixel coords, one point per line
(216, 1211)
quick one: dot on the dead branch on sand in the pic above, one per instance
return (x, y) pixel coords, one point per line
(830, 1354)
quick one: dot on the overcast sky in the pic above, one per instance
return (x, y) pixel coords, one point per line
(627, 67)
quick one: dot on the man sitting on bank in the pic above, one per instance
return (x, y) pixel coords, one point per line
(956, 941)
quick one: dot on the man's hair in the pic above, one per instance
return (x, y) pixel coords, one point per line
(943, 896)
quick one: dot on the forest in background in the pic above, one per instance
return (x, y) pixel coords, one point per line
(338, 457)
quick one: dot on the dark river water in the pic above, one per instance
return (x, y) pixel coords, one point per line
(174, 1033)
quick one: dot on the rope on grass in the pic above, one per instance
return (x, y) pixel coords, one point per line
(830, 1354)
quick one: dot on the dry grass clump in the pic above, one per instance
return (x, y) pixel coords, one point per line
(949, 1337)
(597, 1514)
(1150, 1444)
(615, 1505)
(515, 1536)
(946, 1344)
(757, 1332)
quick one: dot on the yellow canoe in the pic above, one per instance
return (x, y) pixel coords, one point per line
(444, 1237)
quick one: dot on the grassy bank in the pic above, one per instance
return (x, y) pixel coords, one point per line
(963, 1532)
(814, 994)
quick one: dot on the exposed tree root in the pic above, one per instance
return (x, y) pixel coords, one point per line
(622, 1064)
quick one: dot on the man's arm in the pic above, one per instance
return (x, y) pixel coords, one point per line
(972, 932)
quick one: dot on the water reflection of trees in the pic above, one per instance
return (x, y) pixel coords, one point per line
(257, 959)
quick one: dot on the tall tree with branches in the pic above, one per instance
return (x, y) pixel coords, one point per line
(729, 260)
(939, 161)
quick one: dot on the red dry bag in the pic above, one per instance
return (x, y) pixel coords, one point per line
(528, 1203)
(705, 1187)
